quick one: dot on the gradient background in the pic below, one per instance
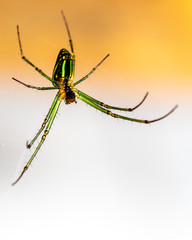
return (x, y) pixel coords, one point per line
(97, 177)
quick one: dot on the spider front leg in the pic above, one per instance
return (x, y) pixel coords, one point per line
(38, 88)
(102, 109)
(85, 77)
(29, 62)
(68, 32)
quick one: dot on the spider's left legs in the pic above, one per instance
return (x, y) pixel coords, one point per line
(38, 88)
(28, 61)
(49, 124)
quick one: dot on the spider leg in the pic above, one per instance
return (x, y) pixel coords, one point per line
(93, 104)
(49, 124)
(85, 77)
(38, 88)
(45, 121)
(108, 106)
(68, 32)
(28, 61)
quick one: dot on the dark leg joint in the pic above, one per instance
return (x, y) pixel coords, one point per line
(28, 145)
(44, 135)
(25, 168)
(44, 123)
(104, 105)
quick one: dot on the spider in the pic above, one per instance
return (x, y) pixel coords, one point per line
(62, 80)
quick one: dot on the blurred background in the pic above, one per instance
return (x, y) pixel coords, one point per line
(97, 177)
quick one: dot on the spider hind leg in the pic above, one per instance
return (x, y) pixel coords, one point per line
(108, 106)
(108, 112)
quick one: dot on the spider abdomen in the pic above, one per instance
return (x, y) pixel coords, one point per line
(64, 66)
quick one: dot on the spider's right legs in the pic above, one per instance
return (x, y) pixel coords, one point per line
(108, 106)
(45, 121)
(106, 111)
(93, 70)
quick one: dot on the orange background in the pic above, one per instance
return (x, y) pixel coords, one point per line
(149, 42)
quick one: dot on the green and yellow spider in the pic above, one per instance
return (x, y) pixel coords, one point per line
(62, 80)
